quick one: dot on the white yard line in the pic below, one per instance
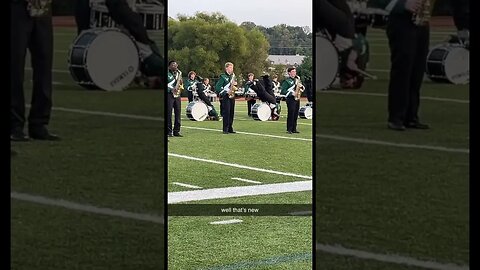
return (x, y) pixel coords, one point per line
(388, 258)
(186, 185)
(246, 180)
(464, 101)
(226, 222)
(230, 164)
(234, 192)
(85, 207)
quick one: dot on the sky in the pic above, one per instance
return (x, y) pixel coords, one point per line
(262, 12)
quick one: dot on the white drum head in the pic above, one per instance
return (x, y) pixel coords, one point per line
(198, 111)
(112, 60)
(326, 62)
(307, 112)
(457, 66)
(263, 111)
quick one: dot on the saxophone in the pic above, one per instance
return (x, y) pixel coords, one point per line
(422, 16)
(232, 88)
(179, 86)
(38, 8)
(299, 88)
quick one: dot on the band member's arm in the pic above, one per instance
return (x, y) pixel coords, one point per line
(121, 13)
(391, 6)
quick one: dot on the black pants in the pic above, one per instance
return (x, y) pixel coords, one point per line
(409, 49)
(204, 98)
(293, 107)
(174, 104)
(36, 35)
(250, 103)
(190, 96)
(227, 110)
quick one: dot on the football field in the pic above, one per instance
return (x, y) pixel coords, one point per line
(387, 199)
(260, 164)
(94, 200)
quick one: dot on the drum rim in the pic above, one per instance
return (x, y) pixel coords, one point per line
(338, 58)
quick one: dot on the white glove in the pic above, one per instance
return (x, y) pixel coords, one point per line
(342, 43)
(413, 5)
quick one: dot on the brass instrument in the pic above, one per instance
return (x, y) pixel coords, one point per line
(422, 16)
(38, 8)
(232, 88)
(299, 88)
(179, 86)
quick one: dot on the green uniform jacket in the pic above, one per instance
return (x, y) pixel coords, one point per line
(287, 87)
(223, 83)
(171, 81)
(189, 83)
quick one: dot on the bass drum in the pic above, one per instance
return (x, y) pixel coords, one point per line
(306, 112)
(327, 62)
(449, 63)
(197, 111)
(106, 59)
(261, 112)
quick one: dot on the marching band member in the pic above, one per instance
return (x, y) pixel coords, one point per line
(202, 89)
(250, 100)
(174, 79)
(31, 28)
(293, 106)
(224, 86)
(408, 33)
(276, 87)
(264, 90)
(190, 84)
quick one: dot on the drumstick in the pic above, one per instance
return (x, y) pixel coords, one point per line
(364, 73)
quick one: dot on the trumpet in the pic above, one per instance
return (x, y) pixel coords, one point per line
(232, 88)
(299, 88)
(422, 16)
(179, 86)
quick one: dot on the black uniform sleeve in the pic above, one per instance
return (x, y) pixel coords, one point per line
(335, 16)
(82, 15)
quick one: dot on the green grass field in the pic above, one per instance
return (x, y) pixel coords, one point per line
(259, 242)
(109, 162)
(382, 193)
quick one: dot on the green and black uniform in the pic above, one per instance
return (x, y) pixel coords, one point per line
(189, 85)
(173, 104)
(293, 106)
(250, 102)
(227, 105)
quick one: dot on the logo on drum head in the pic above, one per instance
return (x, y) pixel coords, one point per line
(122, 76)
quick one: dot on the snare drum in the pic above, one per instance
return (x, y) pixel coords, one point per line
(449, 63)
(103, 58)
(261, 112)
(306, 112)
(152, 16)
(99, 17)
(327, 62)
(197, 111)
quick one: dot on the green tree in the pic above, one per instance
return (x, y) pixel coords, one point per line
(205, 42)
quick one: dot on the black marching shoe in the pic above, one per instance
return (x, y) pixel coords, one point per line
(416, 125)
(177, 134)
(295, 131)
(225, 132)
(232, 131)
(42, 133)
(17, 135)
(289, 132)
(396, 126)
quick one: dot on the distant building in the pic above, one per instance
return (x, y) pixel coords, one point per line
(289, 60)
